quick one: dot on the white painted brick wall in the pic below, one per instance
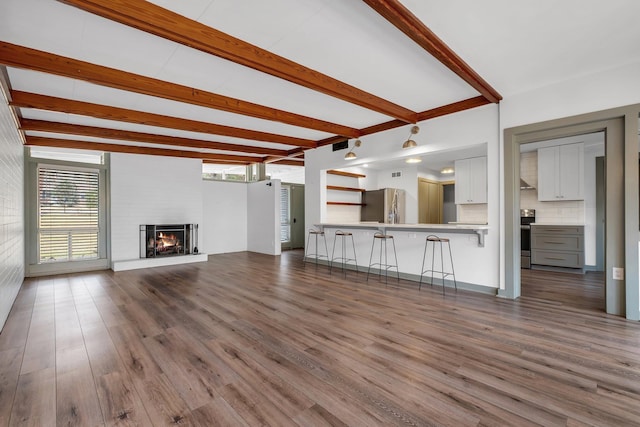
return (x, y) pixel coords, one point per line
(151, 190)
(225, 217)
(11, 211)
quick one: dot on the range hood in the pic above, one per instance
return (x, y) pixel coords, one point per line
(525, 186)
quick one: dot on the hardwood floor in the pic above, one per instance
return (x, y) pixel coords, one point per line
(569, 290)
(248, 339)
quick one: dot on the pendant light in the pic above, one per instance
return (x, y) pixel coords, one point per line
(351, 155)
(410, 143)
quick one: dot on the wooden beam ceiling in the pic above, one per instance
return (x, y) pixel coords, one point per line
(288, 162)
(50, 103)
(123, 135)
(164, 23)
(31, 59)
(153, 19)
(401, 17)
(424, 115)
(131, 149)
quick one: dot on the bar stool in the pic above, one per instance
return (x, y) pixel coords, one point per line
(440, 240)
(315, 233)
(343, 235)
(383, 239)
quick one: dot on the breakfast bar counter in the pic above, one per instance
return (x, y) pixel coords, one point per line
(480, 230)
(471, 247)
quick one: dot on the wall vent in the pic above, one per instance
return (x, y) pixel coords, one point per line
(341, 145)
(396, 174)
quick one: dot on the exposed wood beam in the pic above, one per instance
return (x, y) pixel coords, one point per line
(224, 162)
(274, 159)
(402, 18)
(36, 60)
(124, 135)
(118, 148)
(50, 103)
(455, 107)
(288, 162)
(164, 23)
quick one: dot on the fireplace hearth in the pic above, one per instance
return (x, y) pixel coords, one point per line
(166, 240)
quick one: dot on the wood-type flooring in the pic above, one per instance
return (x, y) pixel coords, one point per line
(249, 340)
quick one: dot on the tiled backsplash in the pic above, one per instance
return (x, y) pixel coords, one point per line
(473, 213)
(567, 212)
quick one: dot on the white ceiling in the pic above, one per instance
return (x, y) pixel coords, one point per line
(514, 46)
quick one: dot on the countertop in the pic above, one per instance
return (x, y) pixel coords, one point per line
(456, 226)
(479, 229)
(563, 224)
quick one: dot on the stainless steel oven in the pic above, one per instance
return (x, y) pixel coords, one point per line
(527, 217)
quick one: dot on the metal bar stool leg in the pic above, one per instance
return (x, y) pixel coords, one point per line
(424, 256)
(373, 245)
(453, 272)
(333, 251)
(442, 267)
(355, 259)
(395, 255)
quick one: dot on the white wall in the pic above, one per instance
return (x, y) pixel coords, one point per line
(480, 125)
(263, 217)
(607, 89)
(12, 264)
(225, 217)
(151, 190)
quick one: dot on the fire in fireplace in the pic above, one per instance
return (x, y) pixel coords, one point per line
(166, 240)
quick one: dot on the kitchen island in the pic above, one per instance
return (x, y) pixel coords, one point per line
(472, 263)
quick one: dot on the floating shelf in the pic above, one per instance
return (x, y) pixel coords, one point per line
(346, 203)
(349, 174)
(339, 188)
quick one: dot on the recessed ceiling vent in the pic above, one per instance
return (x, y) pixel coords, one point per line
(341, 145)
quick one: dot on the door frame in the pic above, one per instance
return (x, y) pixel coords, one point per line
(622, 224)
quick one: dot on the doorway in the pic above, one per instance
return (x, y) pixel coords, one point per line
(621, 214)
(436, 201)
(558, 189)
(292, 216)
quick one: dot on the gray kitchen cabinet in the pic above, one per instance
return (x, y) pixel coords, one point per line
(557, 246)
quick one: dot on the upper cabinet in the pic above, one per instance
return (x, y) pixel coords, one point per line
(471, 180)
(561, 173)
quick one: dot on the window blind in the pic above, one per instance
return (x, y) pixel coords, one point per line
(285, 227)
(67, 214)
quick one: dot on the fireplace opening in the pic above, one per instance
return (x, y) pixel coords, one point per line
(166, 240)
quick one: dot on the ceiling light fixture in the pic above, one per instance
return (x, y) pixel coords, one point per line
(446, 171)
(410, 143)
(351, 155)
(413, 160)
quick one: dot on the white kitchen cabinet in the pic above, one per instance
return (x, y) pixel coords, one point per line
(471, 180)
(561, 173)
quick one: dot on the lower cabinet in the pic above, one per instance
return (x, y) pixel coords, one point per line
(557, 245)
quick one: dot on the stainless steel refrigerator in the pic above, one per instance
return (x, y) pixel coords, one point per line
(386, 206)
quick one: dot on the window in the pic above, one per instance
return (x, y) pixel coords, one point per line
(67, 214)
(224, 172)
(285, 214)
(66, 204)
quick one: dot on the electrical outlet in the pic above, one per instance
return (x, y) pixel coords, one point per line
(413, 235)
(618, 273)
